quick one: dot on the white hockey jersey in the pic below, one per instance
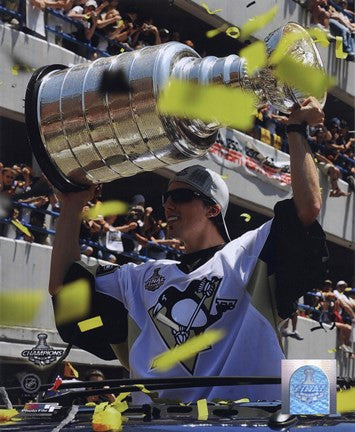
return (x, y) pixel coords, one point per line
(245, 288)
(231, 291)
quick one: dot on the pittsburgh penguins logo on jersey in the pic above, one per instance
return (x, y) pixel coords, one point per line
(179, 315)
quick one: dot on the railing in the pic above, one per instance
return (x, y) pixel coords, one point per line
(21, 16)
(345, 358)
(96, 245)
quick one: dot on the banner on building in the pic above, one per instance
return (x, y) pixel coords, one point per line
(250, 157)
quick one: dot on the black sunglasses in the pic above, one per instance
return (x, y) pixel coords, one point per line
(180, 196)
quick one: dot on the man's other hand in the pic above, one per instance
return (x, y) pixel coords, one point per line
(76, 200)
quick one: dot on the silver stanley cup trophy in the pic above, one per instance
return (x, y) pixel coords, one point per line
(82, 135)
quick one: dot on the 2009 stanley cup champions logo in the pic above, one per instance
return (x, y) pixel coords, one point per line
(42, 354)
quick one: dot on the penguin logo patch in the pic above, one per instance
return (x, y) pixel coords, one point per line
(155, 281)
(179, 315)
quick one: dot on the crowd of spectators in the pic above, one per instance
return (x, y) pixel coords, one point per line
(19, 185)
(100, 26)
(330, 305)
(336, 17)
(139, 232)
(333, 149)
(107, 26)
(332, 145)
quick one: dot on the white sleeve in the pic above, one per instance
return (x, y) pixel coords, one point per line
(116, 282)
(77, 9)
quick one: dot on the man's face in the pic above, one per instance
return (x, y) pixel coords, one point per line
(187, 219)
(341, 287)
(327, 287)
(95, 378)
(89, 9)
(8, 177)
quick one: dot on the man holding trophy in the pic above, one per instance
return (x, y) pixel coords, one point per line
(245, 286)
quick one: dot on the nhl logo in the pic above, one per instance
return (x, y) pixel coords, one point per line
(155, 281)
(30, 383)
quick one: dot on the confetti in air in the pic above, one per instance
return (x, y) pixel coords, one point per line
(339, 53)
(205, 6)
(209, 103)
(305, 78)
(72, 302)
(169, 359)
(257, 23)
(246, 216)
(255, 56)
(108, 208)
(20, 307)
(319, 36)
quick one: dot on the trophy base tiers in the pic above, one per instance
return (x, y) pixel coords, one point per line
(48, 167)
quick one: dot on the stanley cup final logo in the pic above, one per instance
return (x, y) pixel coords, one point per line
(308, 386)
(42, 354)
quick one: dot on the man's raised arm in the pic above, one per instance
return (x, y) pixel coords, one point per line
(66, 248)
(304, 175)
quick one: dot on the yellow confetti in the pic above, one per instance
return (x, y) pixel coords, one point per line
(170, 358)
(255, 56)
(224, 177)
(15, 69)
(319, 36)
(233, 32)
(333, 350)
(152, 395)
(311, 81)
(21, 227)
(213, 103)
(107, 208)
(346, 400)
(246, 216)
(120, 397)
(257, 23)
(339, 53)
(121, 407)
(214, 32)
(90, 324)
(7, 414)
(142, 388)
(86, 17)
(70, 371)
(72, 302)
(202, 409)
(285, 45)
(119, 23)
(106, 418)
(204, 5)
(19, 307)
(122, 50)
(226, 402)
